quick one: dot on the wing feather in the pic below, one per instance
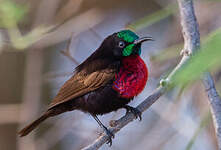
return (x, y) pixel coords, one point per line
(81, 84)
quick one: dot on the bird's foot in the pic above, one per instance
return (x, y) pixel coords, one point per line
(108, 132)
(135, 111)
(110, 136)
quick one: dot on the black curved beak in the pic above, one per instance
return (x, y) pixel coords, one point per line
(143, 39)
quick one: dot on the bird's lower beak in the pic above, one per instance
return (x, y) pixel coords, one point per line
(143, 39)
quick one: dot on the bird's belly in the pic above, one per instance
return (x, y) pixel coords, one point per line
(101, 101)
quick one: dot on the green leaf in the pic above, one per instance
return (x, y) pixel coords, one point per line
(153, 18)
(11, 13)
(22, 42)
(207, 58)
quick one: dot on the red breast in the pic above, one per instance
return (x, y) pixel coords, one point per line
(132, 77)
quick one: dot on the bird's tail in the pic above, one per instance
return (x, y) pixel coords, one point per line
(33, 125)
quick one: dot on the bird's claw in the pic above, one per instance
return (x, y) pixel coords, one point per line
(135, 111)
(110, 136)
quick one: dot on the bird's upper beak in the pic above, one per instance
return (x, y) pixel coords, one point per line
(143, 39)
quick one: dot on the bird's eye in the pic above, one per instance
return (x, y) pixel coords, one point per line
(121, 44)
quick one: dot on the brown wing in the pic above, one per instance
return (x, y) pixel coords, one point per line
(81, 84)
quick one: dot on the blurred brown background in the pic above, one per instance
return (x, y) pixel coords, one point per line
(32, 69)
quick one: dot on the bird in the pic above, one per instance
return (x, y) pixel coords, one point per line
(106, 81)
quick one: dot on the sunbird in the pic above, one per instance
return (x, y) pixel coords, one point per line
(106, 81)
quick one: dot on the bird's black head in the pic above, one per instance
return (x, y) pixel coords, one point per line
(115, 47)
(123, 43)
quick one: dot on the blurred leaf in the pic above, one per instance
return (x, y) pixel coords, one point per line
(167, 54)
(153, 18)
(21, 42)
(11, 13)
(206, 59)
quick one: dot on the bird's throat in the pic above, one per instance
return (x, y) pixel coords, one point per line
(131, 78)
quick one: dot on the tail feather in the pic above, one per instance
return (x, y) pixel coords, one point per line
(33, 125)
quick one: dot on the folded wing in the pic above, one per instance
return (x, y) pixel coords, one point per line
(81, 84)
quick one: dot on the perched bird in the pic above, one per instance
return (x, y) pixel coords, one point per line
(106, 81)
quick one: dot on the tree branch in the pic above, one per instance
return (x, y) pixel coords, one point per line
(67, 52)
(192, 42)
(215, 105)
(120, 123)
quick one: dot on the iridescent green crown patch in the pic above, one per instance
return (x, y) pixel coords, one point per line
(127, 35)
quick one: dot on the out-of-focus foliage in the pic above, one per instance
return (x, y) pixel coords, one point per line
(21, 42)
(207, 58)
(153, 18)
(168, 53)
(11, 13)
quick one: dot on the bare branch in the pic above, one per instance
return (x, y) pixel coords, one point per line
(95, 34)
(67, 52)
(118, 124)
(191, 43)
(215, 104)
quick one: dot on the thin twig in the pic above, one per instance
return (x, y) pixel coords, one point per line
(191, 44)
(215, 104)
(118, 124)
(98, 37)
(67, 52)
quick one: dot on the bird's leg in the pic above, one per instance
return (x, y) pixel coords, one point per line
(108, 132)
(133, 110)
